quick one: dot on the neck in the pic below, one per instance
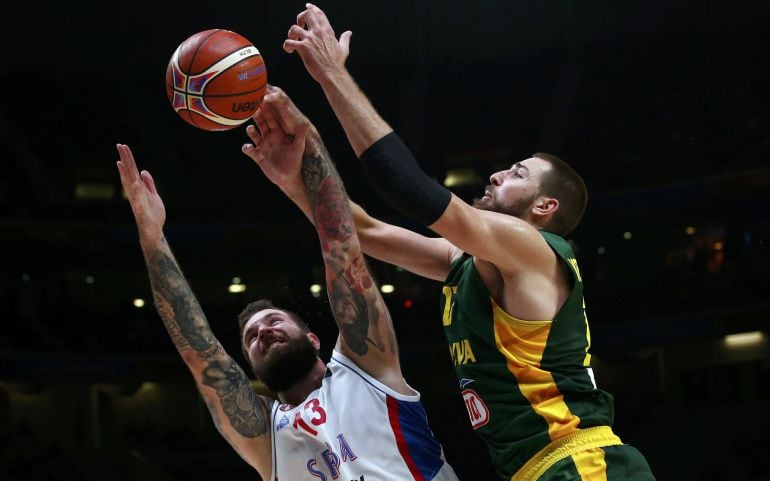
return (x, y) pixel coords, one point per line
(298, 392)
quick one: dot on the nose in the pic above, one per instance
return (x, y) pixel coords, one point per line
(263, 330)
(495, 179)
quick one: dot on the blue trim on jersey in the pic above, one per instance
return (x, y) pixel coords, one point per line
(422, 446)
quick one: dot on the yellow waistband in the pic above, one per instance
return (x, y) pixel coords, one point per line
(584, 439)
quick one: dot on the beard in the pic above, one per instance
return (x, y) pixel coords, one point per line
(284, 366)
(516, 209)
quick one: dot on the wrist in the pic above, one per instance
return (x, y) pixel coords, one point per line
(335, 79)
(294, 190)
(151, 243)
(313, 143)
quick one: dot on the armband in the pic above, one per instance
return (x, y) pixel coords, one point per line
(395, 176)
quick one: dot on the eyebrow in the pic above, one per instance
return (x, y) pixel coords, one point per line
(519, 166)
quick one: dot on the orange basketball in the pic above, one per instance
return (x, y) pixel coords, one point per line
(216, 79)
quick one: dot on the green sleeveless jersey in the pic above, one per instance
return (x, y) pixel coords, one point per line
(525, 383)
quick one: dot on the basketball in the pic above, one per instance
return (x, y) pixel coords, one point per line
(216, 80)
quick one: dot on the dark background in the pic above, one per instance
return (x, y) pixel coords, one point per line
(662, 106)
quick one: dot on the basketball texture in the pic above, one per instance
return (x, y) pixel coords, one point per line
(216, 79)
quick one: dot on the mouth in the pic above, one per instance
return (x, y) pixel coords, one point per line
(269, 345)
(487, 195)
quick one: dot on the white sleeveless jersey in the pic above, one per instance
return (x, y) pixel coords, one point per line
(354, 428)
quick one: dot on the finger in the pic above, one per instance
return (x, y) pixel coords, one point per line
(315, 17)
(302, 18)
(345, 41)
(254, 134)
(297, 33)
(253, 153)
(249, 150)
(261, 124)
(286, 121)
(289, 46)
(276, 98)
(126, 173)
(259, 121)
(123, 176)
(268, 115)
(149, 181)
(300, 134)
(127, 159)
(131, 163)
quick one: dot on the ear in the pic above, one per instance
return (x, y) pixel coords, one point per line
(545, 207)
(314, 340)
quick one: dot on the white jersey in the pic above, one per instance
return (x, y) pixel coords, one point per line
(354, 428)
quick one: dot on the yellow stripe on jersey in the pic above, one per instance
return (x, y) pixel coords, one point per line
(587, 360)
(523, 344)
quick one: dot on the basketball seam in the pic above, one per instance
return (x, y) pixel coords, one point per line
(204, 94)
(189, 67)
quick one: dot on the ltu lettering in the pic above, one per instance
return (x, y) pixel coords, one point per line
(461, 352)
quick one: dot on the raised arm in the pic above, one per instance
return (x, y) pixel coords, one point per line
(509, 243)
(425, 256)
(366, 329)
(240, 415)
(324, 57)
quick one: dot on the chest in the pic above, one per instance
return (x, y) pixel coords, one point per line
(342, 431)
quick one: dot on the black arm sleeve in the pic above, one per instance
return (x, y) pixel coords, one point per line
(393, 172)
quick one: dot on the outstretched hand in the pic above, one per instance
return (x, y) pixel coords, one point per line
(281, 136)
(313, 38)
(146, 204)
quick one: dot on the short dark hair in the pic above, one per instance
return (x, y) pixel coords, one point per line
(565, 185)
(260, 305)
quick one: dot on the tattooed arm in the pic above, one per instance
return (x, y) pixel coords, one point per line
(430, 257)
(366, 328)
(300, 165)
(240, 415)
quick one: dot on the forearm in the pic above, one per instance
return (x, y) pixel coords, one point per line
(386, 161)
(329, 207)
(398, 180)
(230, 396)
(295, 188)
(366, 226)
(361, 122)
(352, 293)
(176, 304)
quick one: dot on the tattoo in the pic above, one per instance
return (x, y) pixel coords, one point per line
(183, 317)
(353, 302)
(352, 314)
(247, 412)
(213, 410)
(177, 306)
(328, 198)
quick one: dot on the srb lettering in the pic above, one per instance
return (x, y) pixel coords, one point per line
(332, 460)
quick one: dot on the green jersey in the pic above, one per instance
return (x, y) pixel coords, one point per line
(525, 383)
